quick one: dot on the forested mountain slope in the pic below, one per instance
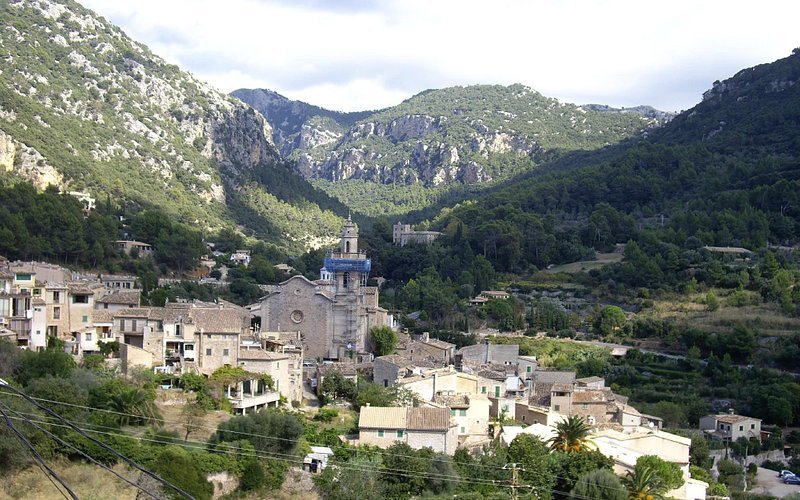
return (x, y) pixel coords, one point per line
(726, 172)
(84, 107)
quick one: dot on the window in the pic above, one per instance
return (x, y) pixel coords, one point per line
(497, 391)
(752, 426)
(462, 413)
(400, 433)
(85, 318)
(528, 368)
(741, 428)
(463, 430)
(38, 332)
(208, 351)
(557, 407)
(88, 336)
(483, 389)
(585, 406)
(452, 413)
(226, 352)
(24, 277)
(277, 364)
(37, 292)
(177, 330)
(56, 313)
(80, 299)
(56, 296)
(380, 433)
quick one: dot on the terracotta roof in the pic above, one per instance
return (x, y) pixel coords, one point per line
(554, 377)
(395, 359)
(439, 344)
(452, 401)
(261, 355)
(562, 388)
(222, 320)
(594, 396)
(589, 380)
(377, 417)
(732, 419)
(428, 419)
(102, 316)
(346, 369)
(121, 297)
(83, 288)
(133, 312)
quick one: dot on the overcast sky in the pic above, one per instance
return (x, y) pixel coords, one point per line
(353, 55)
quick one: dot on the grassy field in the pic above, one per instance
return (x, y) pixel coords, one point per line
(603, 259)
(766, 318)
(89, 482)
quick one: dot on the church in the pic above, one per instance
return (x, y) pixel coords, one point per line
(335, 313)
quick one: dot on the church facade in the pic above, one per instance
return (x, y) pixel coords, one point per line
(333, 314)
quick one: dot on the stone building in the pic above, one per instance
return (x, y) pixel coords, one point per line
(402, 235)
(335, 313)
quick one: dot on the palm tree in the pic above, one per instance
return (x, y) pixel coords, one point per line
(572, 435)
(644, 484)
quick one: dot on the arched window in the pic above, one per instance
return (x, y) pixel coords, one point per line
(347, 247)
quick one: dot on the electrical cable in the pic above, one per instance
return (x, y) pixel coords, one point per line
(90, 458)
(101, 444)
(51, 474)
(262, 436)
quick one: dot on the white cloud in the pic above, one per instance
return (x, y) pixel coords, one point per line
(362, 56)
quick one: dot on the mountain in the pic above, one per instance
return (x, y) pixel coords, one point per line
(406, 156)
(84, 107)
(724, 173)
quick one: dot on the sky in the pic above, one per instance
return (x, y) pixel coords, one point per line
(356, 55)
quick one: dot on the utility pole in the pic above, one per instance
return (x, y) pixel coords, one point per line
(514, 479)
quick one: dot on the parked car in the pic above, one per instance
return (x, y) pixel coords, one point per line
(791, 479)
(782, 474)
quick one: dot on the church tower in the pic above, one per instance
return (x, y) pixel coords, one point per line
(348, 269)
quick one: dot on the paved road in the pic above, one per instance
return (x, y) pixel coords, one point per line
(767, 481)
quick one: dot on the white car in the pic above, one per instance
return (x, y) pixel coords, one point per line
(784, 473)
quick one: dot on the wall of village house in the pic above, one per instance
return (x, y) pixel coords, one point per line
(316, 321)
(595, 410)
(530, 415)
(78, 312)
(216, 350)
(132, 357)
(153, 342)
(60, 304)
(371, 437)
(439, 441)
(384, 373)
(38, 333)
(506, 407)
(561, 404)
(475, 419)
(279, 371)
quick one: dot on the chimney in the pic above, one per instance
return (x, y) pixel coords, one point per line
(731, 412)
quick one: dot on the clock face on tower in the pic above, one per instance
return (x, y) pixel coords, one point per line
(296, 316)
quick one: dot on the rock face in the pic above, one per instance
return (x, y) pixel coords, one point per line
(84, 107)
(460, 135)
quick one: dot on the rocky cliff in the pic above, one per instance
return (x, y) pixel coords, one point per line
(86, 108)
(440, 138)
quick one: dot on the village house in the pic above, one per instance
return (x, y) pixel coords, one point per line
(434, 351)
(417, 427)
(388, 370)
(730, 426)
(137, 248)
(241, 258)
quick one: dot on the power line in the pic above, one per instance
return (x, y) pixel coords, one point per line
(130, 462)
(263, 436)
(51, 474)
(90, 458)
